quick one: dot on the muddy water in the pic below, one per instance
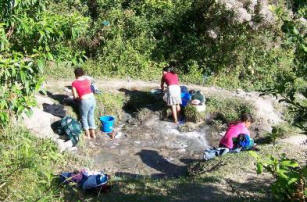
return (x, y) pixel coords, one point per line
(152, 148)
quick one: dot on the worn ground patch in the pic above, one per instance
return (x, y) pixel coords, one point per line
(147, 147)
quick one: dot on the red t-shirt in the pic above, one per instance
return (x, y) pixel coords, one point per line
(83, 87)
(170, 79)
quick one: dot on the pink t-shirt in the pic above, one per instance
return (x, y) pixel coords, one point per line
(83, 87)
(170, 79)
(233, 131)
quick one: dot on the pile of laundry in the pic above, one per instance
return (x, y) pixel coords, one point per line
(87, 180)
(193, 97)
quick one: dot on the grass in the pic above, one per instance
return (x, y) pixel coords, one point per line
(192, 115)
(61, 70)
(227, 109)
(27, 165)
(110, 104)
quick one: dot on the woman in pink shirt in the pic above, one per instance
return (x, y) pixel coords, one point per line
(81, 90)
(235, 129)
(170, 78)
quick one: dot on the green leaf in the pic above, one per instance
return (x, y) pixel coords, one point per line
(289, 163)
(49, 55)
(292, 180)
(295, 31)
(40, 64)
(259, 168)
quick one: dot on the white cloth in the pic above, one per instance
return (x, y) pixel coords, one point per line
(173, 95)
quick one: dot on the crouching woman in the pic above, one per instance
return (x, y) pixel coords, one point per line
(235, 129)
(82, 93)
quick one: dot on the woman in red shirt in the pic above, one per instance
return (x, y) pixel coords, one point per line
(81, 90)
(170, 78)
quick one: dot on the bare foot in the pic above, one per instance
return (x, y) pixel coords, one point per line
(112, 135)
(92, 133)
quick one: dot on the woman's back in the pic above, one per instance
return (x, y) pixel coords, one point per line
(83, 86)
(171, 79)
(233, 131)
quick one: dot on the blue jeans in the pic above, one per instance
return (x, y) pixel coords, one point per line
(211, 153)
(87, 112)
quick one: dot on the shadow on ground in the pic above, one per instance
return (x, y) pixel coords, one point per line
(185, 189)
(65, 100)
(165, 168)
(139, 100)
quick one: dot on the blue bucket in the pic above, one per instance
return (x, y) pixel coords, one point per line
(107, 123)
(185, 98)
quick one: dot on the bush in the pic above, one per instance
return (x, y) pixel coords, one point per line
(192, 115)
(290, 177)
(19, 78)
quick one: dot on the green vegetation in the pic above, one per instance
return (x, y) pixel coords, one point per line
(290, 176)
(137, 38)
(191, 114)
(228, 109)
(27, 167)
(214, 45)
(110, 104)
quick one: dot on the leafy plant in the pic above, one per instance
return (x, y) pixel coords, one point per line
(276, 133)
(290, 177)
(19, 78)
(292, 85)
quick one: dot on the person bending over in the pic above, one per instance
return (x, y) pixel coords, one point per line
(235, 129)
(81, 90)
(170, 78)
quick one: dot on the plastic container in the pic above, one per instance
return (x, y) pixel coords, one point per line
(185, 98)
(107, 123)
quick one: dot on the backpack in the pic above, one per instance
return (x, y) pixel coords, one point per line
(71, 128)
(244, 141)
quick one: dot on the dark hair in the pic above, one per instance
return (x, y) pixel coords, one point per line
(246, 117)
(79, 72)
(167, 69)
(171, 67)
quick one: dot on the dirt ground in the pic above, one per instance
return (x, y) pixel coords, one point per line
(152, 147)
